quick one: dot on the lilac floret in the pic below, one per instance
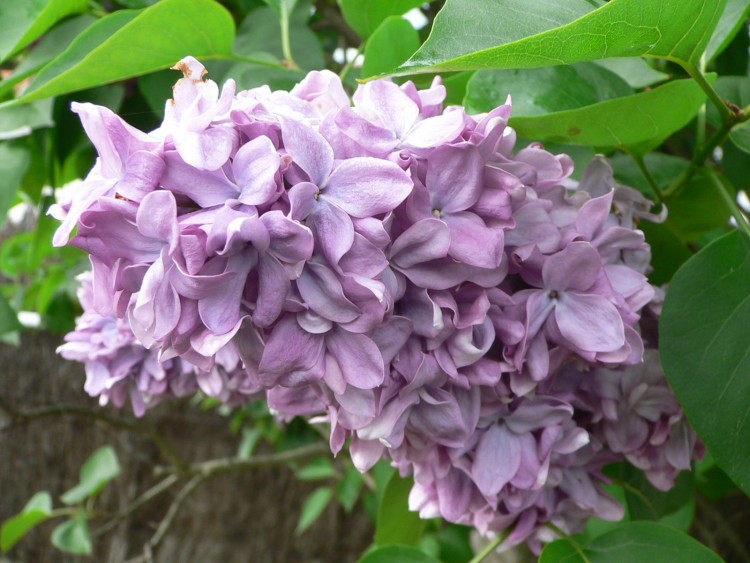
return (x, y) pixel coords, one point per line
(393, 268)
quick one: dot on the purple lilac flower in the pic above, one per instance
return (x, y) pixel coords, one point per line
(390, 267)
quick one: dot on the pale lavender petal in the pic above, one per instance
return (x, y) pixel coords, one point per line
(308, 149)
(454, 177)
(364, 186)
(206, 150)
(589, 322)
(255, 166)
(576, 268)
(423, 241)
(472, 242)
(292, 356)
(497, 459)
(358, 357)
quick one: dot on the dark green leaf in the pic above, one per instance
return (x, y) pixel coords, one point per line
(98, 470)
(540, 91)
(130, 43)
(668, 250)
(646, 502)
(348, 488)
(156, 88)
(639, 122)
(634, 541)
(394, 41)
(455, 545)
(733, 18)
(73, 536)
(477, 34)
(313, 507)
(635, 71)
(397, 553)
(36, 511)
(259, 34)
(365, 16)
(664, 168)
(396, 523)
(14, 162)
(258, 38)
(704, 349)
(22, 22)
(699, 208)
(736, 89)
(281, 6)
(711, 481)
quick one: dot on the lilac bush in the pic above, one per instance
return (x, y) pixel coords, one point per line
(469, 312)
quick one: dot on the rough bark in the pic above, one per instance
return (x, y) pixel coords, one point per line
(235, 517)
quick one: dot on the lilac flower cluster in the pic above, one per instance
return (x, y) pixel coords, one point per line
(467, 311)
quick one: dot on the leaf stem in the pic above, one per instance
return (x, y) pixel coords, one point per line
(490, 547)
(724, 111)
(286, 44)
(570, 540)
(349, 64)
(739, 217)
(649, 178)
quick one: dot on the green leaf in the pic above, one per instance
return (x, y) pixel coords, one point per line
(639, 122)
(704, 349)
(49, 46)
(349, 488)
(540, 91)
(14, 162)
(258, 38)
(396, 523)
(394, 41)
(736, 89)
(646, 502)
(23, 22)
(36, 511)
(130, 43)
(635, 71)
(281, 6)
(397, 553)
(313, 507)
(20, 121)
(699, 208)
(733, 18)
(317, 469)
(633, 541)
(473, 34)
(365, 16)
(73, 536)
(98, 470)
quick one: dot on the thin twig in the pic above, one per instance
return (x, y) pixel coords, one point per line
(724, 111)
(734, 209)
(150, 494)
(174, 508)
(223, 465)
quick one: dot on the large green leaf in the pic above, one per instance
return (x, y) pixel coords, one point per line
(36, 511)
(98, 470)
(705, 349)
(130, 43)
(639, 122)
(21, 22)
(473, 34)
(634, 70)
(48, 47)
(365, 16)
(735, 89)
(634, 541)
(733, 18)
(396, 523)
(391, 44)
(539, 91)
